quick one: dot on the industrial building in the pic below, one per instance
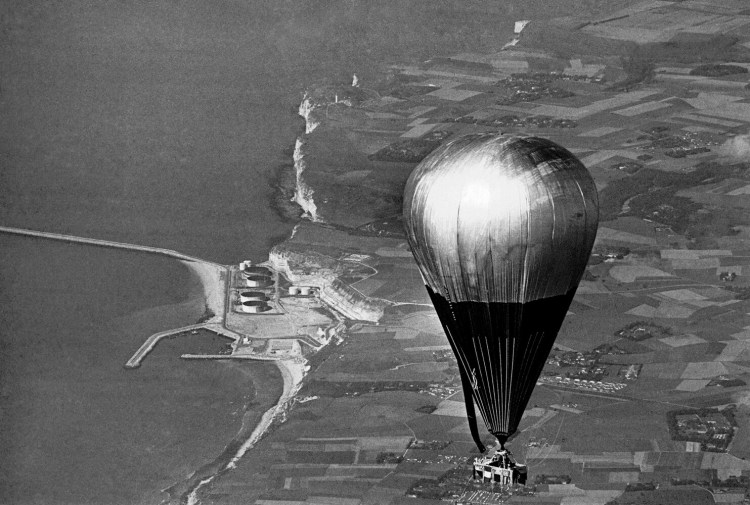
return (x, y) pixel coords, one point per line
(302, 290)
(258, 281)
(250, 270)
(253, 296)
(253, 301)
(254, 307)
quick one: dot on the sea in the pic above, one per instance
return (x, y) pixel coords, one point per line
(77, 427)
(163, 123)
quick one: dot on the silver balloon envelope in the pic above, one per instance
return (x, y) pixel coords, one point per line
(501, 228)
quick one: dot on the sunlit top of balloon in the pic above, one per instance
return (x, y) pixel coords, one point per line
(501, 218)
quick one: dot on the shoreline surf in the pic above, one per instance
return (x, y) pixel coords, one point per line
(212, 279)
(293, 374)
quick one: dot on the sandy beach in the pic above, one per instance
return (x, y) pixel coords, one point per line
(212, 278)
(293, 372)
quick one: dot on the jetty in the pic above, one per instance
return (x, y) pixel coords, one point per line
(103, 243)
(230, 356)
(150, 343)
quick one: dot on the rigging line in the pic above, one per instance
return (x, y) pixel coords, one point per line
(481, 405)
(462, 361)
(506, 358)
(488, 374)
(514, 324)
(494, 354)
(501, 353)
(528, 345)
(482, 337)
(499, 343)
(520, 398)
(464, 367)
(513, 364)
(506, 355)
(532, 342)
(496, 359)
(471, 415)
(458, 351)
(489, 279)
(493, 385)
(468, 401)
(481, 408)
(477, 354)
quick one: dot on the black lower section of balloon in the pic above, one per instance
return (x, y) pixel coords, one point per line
(501, 349)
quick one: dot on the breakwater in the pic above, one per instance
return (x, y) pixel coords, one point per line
(102, 243)
(150, 343)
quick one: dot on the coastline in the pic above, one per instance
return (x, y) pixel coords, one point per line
(212, 278)
(293, 373)
(284, 186)
(264, 394)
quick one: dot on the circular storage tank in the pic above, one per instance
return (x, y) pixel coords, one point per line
(254, 307)
(258, 281)
(253, 296)
(248, 271)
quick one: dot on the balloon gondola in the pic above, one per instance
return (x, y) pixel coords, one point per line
(501, 228)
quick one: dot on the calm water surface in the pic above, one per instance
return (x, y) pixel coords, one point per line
(76, 427)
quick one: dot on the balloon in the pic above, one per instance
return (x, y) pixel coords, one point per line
(501, 228)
